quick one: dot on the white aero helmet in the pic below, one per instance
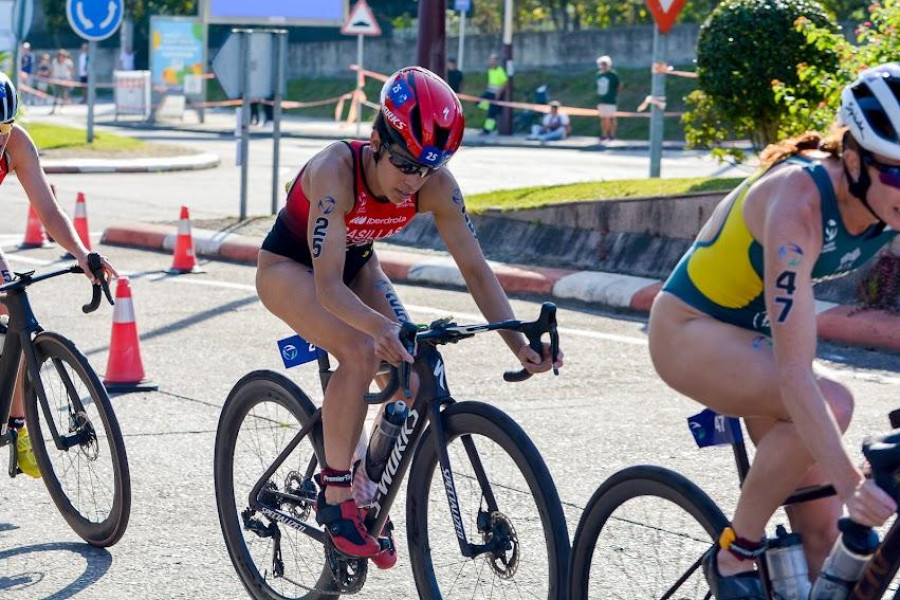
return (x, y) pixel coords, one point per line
(9, 102)
(870, 108)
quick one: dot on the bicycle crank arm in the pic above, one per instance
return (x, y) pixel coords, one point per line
(10, 437)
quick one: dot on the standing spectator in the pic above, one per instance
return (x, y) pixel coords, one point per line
(26, 66)
(554, 125)
(608, 88)
(62, 72)
(126, 60)
(496, 88)
(454, 75)
(83, 70)
(42, 74)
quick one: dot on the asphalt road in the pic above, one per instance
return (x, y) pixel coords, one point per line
(201, 333)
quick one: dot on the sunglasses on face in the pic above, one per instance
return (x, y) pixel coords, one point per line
(888, 174)
(5, 128)
(405, 165)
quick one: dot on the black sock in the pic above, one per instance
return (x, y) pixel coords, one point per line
(16, 423)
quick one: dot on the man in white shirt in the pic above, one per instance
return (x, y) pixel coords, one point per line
(83, 70)
(554, 125)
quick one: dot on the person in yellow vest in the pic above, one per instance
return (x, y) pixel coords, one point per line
(496, 89)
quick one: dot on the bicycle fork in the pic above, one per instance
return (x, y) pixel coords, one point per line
(467, 549)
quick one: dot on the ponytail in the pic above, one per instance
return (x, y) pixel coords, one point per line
(829, 143)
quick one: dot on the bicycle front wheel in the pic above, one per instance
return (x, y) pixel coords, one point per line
(88, 478)
(642, 536)
(525, 529)
(274, 560)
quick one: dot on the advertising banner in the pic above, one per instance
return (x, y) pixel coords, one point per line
(277, 12)
(176, 54)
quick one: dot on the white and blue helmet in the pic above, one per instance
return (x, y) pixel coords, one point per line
(870, 108)
(9, 102)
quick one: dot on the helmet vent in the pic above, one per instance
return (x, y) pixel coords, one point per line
(874, 112)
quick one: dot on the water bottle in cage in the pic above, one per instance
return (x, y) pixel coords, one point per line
(788, 571)
(847, 561)
(384, 437)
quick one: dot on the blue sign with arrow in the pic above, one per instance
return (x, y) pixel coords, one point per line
(95, 20)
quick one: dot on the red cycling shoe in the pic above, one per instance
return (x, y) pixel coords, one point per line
(343, 522)
(387, 558)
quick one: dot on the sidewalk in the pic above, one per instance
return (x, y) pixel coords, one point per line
(844, 324)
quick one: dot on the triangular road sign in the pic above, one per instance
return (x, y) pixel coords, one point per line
(361, 21)
(665, 12)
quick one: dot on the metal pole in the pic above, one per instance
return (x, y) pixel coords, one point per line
(506, 126)
(658, 91)
(462, 39)
(245, 117)
(17, 58)
(359, 80)
(280, 41)
(19, 26)
(92, 90)
(432, 36)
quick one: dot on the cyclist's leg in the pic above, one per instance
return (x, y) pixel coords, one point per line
(815, 521)
(733, 372)
(17, 411)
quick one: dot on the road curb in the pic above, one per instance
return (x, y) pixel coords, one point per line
(190, 162)
(845, 324)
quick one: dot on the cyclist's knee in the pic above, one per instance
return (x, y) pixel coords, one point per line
(357, 354)
(839, 399)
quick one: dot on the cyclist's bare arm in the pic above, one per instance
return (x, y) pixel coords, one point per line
(792, 242)
(25, 162)
(442, 197)
(330, 199)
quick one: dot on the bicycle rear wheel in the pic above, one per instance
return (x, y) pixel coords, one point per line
(529, 520)
(262, 414)
(89, 481)
(642, 531)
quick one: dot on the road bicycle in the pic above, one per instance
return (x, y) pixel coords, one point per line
(646, 528)
(74, 432)
(482, 512)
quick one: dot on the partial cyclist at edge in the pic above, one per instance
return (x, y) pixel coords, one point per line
(319, 274)
(18, 154)
(734, 327)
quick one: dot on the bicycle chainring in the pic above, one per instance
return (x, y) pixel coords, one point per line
(504, 558)
(349, 573)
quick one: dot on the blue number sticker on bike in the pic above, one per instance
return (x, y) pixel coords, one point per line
(296, 351)
(712, 429)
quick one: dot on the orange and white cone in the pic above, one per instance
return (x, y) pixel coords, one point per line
(184, 260)
(35, 236)
(81, 221)
(125, 370)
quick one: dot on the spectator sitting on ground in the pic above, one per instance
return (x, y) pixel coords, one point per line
(555, 125)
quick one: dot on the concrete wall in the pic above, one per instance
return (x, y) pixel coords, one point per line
(628, 46)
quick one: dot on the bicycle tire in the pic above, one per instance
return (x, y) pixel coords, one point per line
(249, 393)
(76, 383)
(486, 424)
(635, 483)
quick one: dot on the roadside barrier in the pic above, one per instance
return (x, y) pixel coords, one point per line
(184, 260)
(125, 369)
(35, 236)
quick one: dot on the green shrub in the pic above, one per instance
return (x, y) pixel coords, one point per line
(743, 48)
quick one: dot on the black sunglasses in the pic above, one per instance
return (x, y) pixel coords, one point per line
(888, 174)
(405, 165)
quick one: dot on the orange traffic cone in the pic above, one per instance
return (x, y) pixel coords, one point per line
(35, 236)
(125, 371)
(81, 222)
(184, 260)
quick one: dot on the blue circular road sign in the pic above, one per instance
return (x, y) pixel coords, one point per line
(95, 20)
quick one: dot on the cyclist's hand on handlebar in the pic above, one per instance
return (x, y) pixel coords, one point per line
(108, 271)
(388, 346)
(538, 364)
(870, 505)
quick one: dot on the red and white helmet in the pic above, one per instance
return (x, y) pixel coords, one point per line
(870, 108)
(422, 114)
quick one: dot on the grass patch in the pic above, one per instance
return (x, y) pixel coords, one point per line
(533, 197)
(52, 137)
(571, 87)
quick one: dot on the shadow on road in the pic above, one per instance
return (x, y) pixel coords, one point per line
(97, 563)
